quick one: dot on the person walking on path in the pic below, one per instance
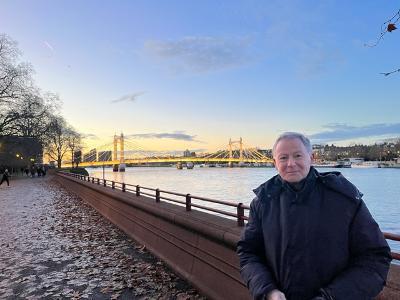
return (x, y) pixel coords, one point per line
(6, 176)
(310, 234)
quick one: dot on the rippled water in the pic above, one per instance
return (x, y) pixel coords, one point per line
(381, 187)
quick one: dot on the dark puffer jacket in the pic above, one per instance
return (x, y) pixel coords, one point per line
(320, 240)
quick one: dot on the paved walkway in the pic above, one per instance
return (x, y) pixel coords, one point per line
(54, 246)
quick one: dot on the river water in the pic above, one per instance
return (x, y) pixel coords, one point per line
(381, 187)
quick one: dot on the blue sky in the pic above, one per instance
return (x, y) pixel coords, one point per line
(192, 74)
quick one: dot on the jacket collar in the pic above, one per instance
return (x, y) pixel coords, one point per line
(274, 186)
(332, 180)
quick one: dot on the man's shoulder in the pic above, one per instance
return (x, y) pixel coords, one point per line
(268, 189)
(337, 182)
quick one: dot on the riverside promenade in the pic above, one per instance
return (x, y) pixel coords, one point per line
(54, 246)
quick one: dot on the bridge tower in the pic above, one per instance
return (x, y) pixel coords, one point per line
(121, 166)
(230, 164)
(241, 150)
(240, 141)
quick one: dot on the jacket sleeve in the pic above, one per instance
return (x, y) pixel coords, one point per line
(369, 260)
(253, 266)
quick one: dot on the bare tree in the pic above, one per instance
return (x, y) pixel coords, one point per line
(57, 141)
(74, 144)
(35, 112)
(15, 78)
(387, 27)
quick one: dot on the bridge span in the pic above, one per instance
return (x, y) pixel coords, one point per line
(124, 152)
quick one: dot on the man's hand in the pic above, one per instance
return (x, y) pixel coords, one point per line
(276, 295)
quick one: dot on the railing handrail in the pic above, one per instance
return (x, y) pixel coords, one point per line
(240, 216)
(392, 236)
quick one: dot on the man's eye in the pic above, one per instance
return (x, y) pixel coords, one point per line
(298, 155)
(282, 158)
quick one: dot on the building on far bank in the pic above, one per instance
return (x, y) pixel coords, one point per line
(19, 152)
(187, 153)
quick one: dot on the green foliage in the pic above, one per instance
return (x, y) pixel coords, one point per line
(81, 171)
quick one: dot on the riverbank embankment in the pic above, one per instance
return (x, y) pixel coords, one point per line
(54, 245)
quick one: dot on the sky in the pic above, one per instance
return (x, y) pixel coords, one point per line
(175, 75)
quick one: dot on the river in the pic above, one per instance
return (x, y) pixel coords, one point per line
(380, 187)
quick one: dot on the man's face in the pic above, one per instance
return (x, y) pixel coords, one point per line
(292, 160)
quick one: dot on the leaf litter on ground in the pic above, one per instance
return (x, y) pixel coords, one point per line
(54, 245)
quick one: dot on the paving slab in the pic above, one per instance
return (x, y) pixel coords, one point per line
(54, 246)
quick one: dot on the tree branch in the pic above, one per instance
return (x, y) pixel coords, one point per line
(385, 28)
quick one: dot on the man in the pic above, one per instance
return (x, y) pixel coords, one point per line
(310, 235)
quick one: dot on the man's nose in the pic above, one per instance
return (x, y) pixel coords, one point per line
(291, 161)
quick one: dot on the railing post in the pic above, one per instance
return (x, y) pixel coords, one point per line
(123, 186)
(113, 185)
(138, 190)
(188, 202)
(105, 182)
(92, 179)
(157, 195)
(240, 215)
(98, 180)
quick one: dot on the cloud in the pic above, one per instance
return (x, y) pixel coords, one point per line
(128, 98)
(89, 136)
(176, 152)
(177, 135)
(47, 44)
(340, 132)
(202, 54)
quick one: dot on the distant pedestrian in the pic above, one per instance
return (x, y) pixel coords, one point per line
(6, 175)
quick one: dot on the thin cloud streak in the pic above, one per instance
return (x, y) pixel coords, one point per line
(176, 152)
(89, 136)
(203, 53)
(177, 135)
(47, 44)
(340, 132)
(128, 98)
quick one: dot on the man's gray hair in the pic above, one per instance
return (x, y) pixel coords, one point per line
(293, 135)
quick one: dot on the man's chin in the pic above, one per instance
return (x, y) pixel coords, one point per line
(293, 178)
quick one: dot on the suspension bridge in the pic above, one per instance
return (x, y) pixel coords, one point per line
(123, 151)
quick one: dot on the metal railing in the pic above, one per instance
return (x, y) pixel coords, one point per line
(393, 237)
(241, 214)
